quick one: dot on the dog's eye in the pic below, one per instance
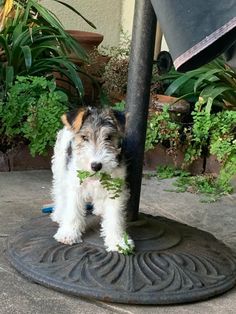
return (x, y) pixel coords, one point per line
(84, 138)
(108, 138)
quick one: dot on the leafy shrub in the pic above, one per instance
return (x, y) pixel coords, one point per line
(210, 133)
(32, 112)
(161, 128)
(167, 172)
(223, 145)
(198, 138)
(34, 42)
(116, 71)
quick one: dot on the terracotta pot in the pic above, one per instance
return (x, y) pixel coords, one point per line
(4, 165)
(159, 157)
(179, 109)
(212, 165)
(19, 158)
(87, 40)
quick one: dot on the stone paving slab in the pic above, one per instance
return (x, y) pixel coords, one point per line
(23, 193)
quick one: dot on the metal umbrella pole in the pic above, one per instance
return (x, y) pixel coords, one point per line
(138, 93)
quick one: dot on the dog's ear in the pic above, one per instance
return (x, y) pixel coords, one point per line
(74, 119)
(120, 119)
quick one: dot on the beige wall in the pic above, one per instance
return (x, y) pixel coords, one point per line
(105, 14)
(109, 16)
(127, 13)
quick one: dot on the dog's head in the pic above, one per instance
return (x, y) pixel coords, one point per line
(98, 136)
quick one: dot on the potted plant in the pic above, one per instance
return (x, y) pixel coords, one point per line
(209, 133)
(116, 71)
(33, 44)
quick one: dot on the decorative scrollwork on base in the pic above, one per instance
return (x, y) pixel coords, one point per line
(174, 263)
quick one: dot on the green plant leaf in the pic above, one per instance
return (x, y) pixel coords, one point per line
(47, 15)
(17, 31)
(27, 55)
(9, 76)
(16, 14)
(214, 91)
(5, 49)
(179, 82)
(83, 175)
(209, 105)
(205, 77)
(129, 249)
(112, 185)
(26, 11)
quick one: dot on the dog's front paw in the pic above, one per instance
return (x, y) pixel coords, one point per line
(68, 236)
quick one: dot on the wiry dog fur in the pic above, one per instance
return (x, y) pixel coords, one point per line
(90, 140)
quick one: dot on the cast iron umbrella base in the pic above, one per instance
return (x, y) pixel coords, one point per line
(173, 263)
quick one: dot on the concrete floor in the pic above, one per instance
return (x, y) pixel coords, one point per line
(23, 193)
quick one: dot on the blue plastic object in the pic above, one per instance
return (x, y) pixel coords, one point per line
(48, 208)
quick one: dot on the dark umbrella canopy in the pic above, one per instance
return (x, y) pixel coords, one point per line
(197, 31)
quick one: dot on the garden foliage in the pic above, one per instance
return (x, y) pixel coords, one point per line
(32, 113)
(211, 130)
(34, 42)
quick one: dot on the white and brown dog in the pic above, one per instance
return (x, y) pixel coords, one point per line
(90, 140)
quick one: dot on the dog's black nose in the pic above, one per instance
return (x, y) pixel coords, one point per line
(96, 166)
